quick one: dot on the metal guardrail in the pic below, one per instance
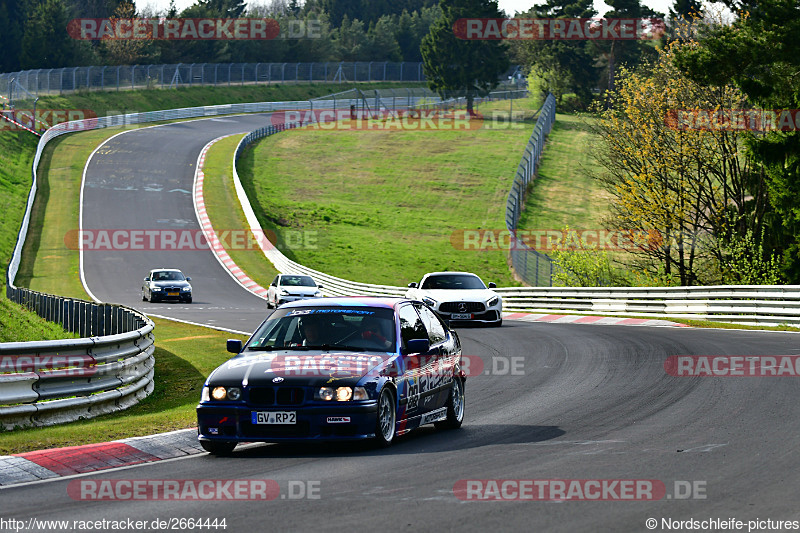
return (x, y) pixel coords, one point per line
(50, 382)
(741, 304)
(534, 268)
(65, 80)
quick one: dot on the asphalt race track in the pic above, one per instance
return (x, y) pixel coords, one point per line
(584, 402)
(142, 180)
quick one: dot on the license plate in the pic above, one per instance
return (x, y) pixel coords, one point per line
(173, 294)
(460, 316)
(273, 417)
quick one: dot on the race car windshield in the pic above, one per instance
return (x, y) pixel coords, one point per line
(329, 328)
(298, 281)
(453, 281)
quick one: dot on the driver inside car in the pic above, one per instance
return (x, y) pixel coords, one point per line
(371, 330)
(316, 330)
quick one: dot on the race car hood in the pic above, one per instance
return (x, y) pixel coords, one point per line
(458, 295)
(300, 368)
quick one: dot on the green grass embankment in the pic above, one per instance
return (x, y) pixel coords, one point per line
(386, 204)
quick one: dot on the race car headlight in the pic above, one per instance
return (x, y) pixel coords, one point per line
(493, 301)
(155, 288)
(326, 393)
(234, 393)
(318, 294)
(344, 394)
(341, 394)
(186, 289)
(226, 393)
(284, 292)
(429, 301)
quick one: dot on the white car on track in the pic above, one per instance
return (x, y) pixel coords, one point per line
(290, 288)
(459, 296)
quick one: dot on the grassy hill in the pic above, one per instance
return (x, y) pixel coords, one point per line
(17, 150)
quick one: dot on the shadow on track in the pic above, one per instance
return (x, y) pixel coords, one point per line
(423, 440)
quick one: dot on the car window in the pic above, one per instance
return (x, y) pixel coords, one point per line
(356, 328)
(411, 325)
(298, 281)
(167, 276)
(436, 333)
(453, 281)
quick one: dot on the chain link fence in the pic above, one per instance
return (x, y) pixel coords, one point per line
(534, 268)
(18, 85)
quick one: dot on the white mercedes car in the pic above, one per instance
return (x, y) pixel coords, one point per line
(290, 288)
(459, 296)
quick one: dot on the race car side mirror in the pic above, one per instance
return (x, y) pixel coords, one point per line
(412, 285)
(234, 345)
(492, 285)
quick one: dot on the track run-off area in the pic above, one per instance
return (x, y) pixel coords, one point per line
(560, 410)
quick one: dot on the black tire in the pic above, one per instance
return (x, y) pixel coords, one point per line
(455, 407)
(188, 300)
(144, 297)
(215, 447)
(269, 304)
(385, 419)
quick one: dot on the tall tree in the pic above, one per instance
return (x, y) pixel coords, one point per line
(613, 54)
(455, 66)
(562, 66)
(45, 42)
(224, 8)
(686, 9)
(13, 15)
(96, 9)
(684, 182)
(127, 51)
(760, 53)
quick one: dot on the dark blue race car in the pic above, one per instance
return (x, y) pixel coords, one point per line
(335, 369)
